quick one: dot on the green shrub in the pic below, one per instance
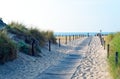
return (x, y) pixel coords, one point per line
(23, 47)
(27, 48)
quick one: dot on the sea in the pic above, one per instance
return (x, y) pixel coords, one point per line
(80, 33)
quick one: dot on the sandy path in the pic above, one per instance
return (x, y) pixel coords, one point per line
(94, 64)
(28, 67)
(66, 68)
(86, 60)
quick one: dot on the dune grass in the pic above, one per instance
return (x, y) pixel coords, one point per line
(41, 36)
(17, 28)
(26, 36)
(114, 41)
(16, 37)
(8, 49)
(35, 33)
(50, 36)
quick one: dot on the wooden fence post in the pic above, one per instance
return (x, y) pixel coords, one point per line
(33, 46)
(49, 45)
(59, 42)
(108, 47)
(88, 34)
(73, 37)
(104, 44)
(69, 38)
(116, 58)
(65, 39)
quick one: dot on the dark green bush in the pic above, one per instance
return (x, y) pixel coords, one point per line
(27, 49)
(23, 47)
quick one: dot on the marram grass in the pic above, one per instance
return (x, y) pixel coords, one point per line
(114, 41)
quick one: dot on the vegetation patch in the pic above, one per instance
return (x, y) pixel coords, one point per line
(8, 49)
(114, 41)
(16, 37)
(30, 40)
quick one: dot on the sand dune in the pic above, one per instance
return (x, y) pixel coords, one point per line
(83, 58)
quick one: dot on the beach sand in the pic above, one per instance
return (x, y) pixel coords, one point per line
(92, 63)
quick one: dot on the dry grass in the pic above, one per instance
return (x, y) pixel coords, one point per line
(63, 39)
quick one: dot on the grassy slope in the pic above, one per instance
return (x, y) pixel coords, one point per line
(41, 36)
(114, 41)
(24, 37)
(8, 50)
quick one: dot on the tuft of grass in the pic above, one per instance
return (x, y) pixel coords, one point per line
(50, 36)
(109, 38)
(18, 28)
(43, 36)
(114, 41)
(38, 36)
(8, 49)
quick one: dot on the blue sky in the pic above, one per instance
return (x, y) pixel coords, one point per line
(64, 15)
